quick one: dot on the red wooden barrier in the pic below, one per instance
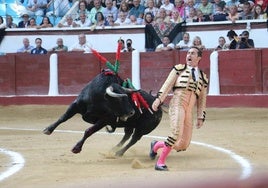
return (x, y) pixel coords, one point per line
(241, 71)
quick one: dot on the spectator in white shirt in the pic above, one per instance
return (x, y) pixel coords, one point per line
(83, 21)
(122, 19)
(82, 45)
(165, 46)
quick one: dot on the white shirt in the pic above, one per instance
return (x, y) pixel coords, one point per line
(86, 47)
(171, 45)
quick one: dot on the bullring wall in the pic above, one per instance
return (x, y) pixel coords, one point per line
(240, 71)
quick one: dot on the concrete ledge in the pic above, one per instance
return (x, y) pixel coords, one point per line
(222, 101)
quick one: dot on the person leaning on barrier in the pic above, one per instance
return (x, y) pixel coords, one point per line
(165, 46)
(129, 45)
(38, 49)
(233, 37)
(26, 48)
(244, 41)
(60, 46)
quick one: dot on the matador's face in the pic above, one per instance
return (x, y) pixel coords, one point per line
(192, 58)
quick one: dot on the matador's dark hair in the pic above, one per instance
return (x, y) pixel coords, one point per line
(199, 53)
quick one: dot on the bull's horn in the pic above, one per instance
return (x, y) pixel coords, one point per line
(129, 90)
(109, 91)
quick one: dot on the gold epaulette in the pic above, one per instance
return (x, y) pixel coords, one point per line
(180, 67)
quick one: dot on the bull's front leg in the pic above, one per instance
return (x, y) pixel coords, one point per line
(71, 111)
(91, 130)
(128, 132)
(135, 137)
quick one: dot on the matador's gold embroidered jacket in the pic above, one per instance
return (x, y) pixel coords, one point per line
(180, 78)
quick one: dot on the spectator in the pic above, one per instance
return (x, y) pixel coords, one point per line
(68, 23)
(230, 3)
(129, 45)
(206, 7)
(25, 22)
(219, 15)
(137, 10)
(247, 13)
(36, 7)
(110, 9)
(122, 19)
(2, 23)
(82, 7)
(58, 8)
(162, 16)
(244, 41)
(233, 38)
(100, 20)
(97, 8)
(123, 8)
(110, 20)
(168, 6)
(148, 18)
(175, 16)
(83, 20)
(10, 23)
(200, 17)
(82, 45)
(165, 46)
(89, 4)
(258, 13)
(185, 43)
(217, 3)
(191, 16)
(32, 23)
(46, 23)
(133, 20)
(27, 48)
(151, 8)
(197, 42)
(38, 49)
(60, 46)
(190, 4)
(179, 6)
(233, 14)
(123, 48)
(222, 44)
(263, 4)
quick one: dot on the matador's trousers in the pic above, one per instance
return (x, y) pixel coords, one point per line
(181, 118)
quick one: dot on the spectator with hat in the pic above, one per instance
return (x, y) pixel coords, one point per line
(25, 21)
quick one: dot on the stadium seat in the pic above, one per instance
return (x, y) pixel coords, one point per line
(2, 10)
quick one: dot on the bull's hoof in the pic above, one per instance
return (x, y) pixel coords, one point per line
(119, 154)
(76, 150)
(47, 131)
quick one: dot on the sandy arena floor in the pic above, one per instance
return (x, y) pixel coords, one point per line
(231, 146)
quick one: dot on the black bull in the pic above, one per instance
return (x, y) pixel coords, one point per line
(103, 102)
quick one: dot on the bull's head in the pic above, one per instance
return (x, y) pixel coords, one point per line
(119, 102)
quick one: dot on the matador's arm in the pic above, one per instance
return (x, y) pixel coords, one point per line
(202, 99)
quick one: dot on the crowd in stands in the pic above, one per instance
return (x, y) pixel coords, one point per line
(94, 13)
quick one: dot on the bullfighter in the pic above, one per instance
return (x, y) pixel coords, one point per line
(189, 85)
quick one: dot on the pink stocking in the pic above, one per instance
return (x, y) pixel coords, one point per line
(163, 156)
(158, 144)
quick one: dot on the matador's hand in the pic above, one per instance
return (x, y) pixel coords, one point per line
(199, 123)
(155, 104)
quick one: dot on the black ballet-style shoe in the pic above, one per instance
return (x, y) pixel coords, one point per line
(152, 154)
(161, 168)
